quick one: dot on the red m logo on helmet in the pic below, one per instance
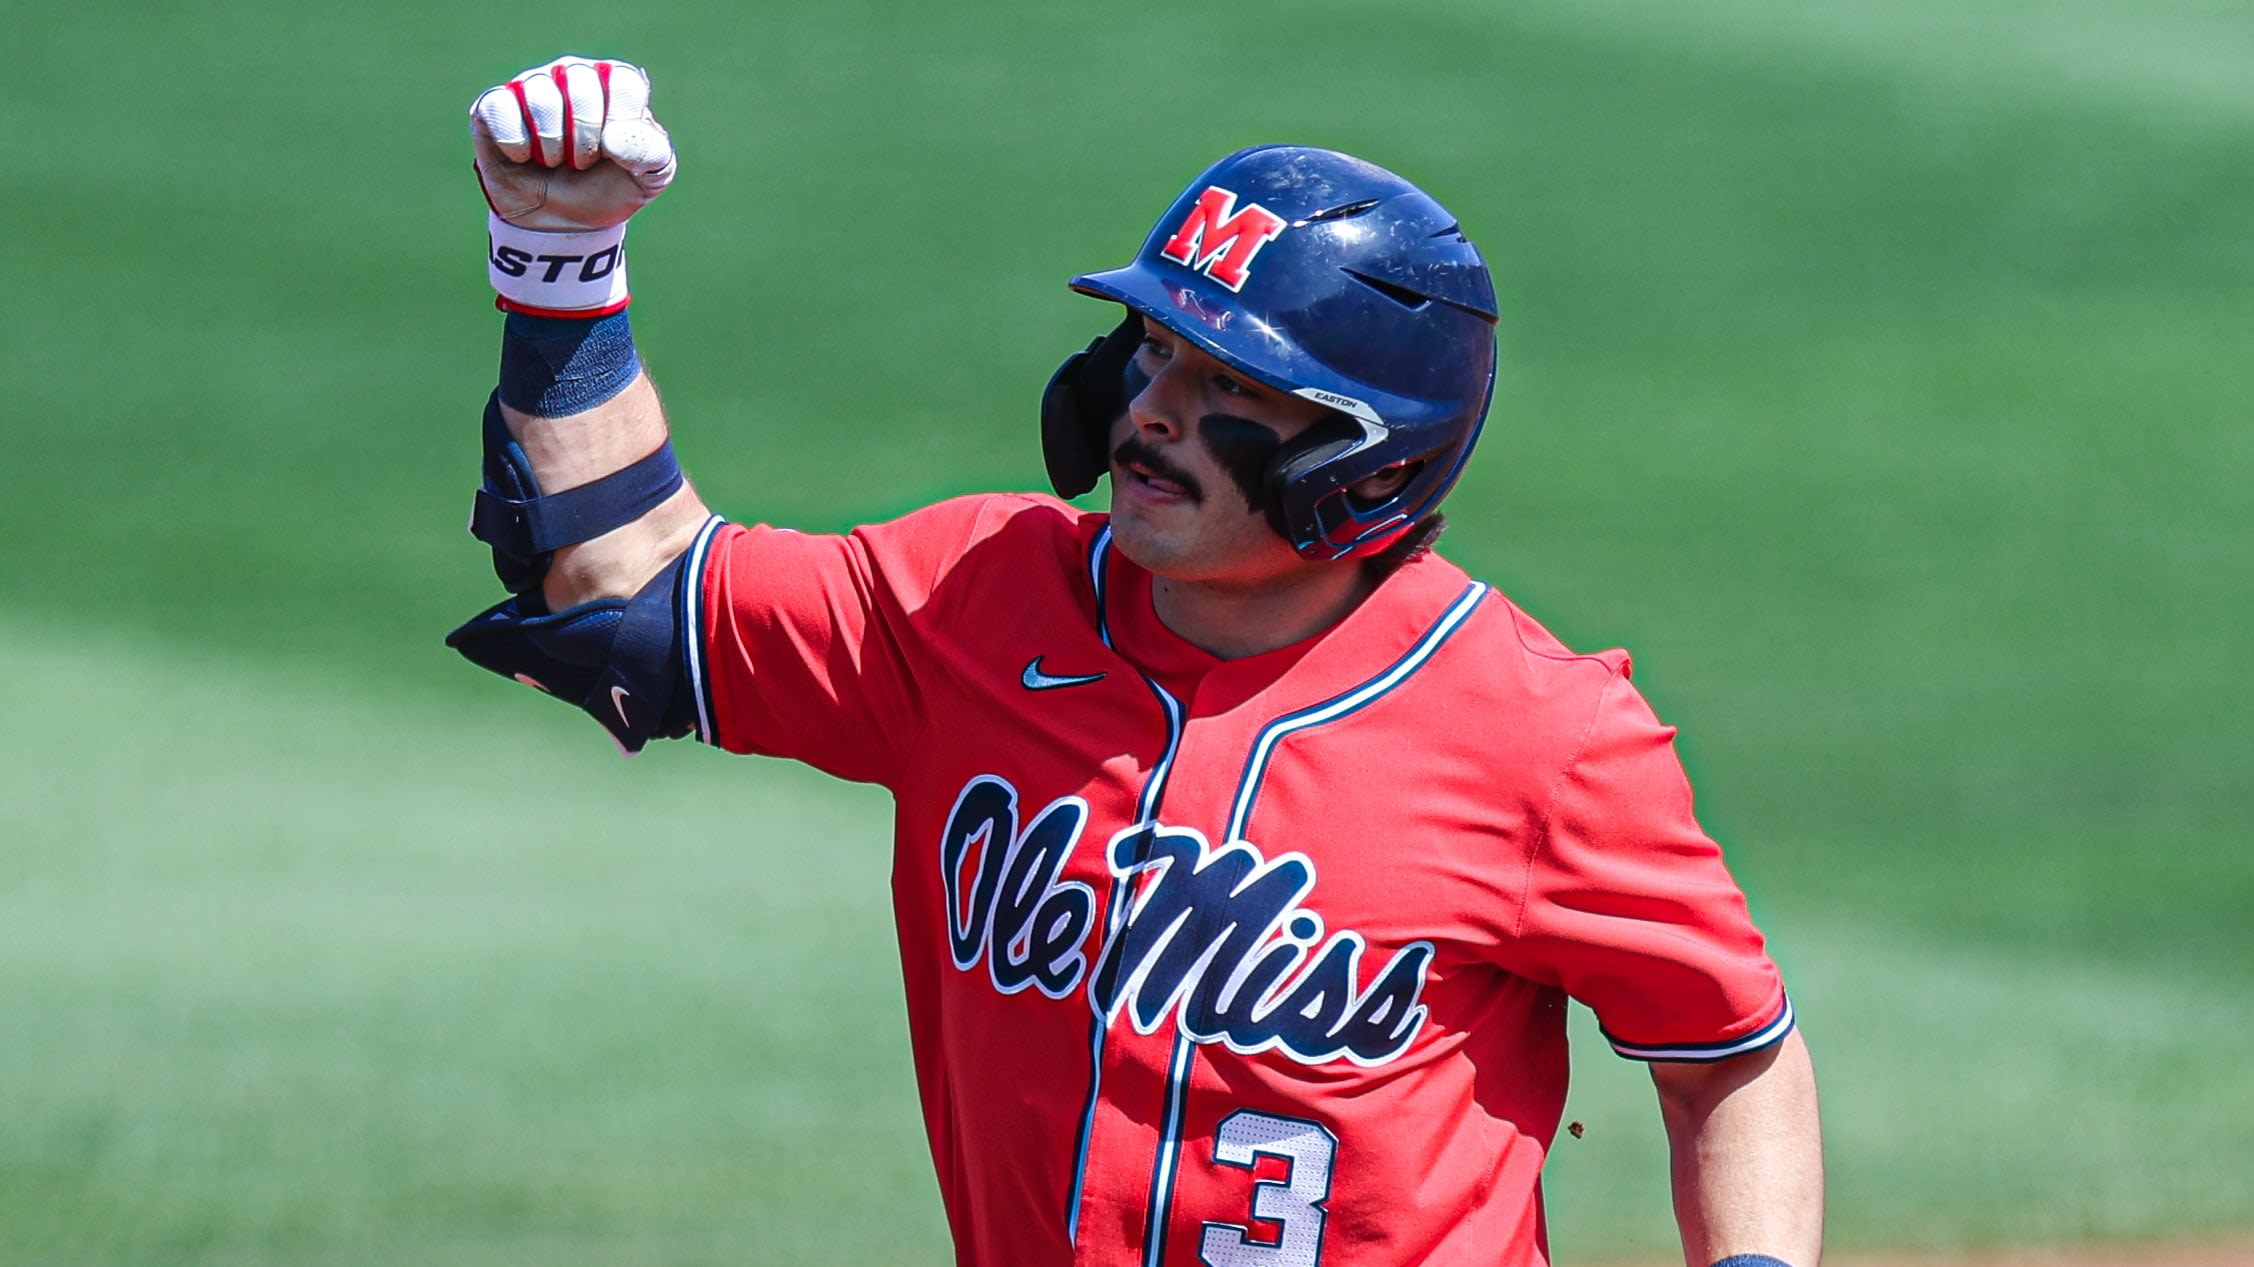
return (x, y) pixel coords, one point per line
(1219, 240)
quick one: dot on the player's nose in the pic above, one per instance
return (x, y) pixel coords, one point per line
(1156, 410)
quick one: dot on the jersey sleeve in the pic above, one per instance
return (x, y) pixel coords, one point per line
(810, 642)
(1629, 908)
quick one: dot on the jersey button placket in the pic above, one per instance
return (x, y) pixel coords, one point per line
(1208, 764)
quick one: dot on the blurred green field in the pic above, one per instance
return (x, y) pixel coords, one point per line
(1880, 375)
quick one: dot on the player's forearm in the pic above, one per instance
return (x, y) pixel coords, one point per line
(582, 502)
(1747, 1151)
(578, 449)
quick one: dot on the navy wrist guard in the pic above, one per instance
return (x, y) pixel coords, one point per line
(622, 660)
(555, 367)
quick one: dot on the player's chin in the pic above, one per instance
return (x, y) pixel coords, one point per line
(1132, 500)
(1178, 552)
(1139, 533)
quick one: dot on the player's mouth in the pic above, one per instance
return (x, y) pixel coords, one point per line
(1137, 465)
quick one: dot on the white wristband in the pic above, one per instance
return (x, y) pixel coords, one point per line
(557, 274)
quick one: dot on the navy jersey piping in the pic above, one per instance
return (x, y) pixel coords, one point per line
(1768, 1035)
(1146, 812)
(690, 614)
(1160, 1211)
(1344, 705)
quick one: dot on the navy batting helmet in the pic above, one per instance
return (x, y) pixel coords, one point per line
(1326, 277)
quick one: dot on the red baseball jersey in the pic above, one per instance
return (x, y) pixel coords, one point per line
(1241, 962)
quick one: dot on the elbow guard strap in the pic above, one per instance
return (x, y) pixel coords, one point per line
(622, 660)
(526, 528)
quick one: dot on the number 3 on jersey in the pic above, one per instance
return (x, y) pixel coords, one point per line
(1294, 1203)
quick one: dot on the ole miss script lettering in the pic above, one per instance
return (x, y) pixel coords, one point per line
(1220, 939)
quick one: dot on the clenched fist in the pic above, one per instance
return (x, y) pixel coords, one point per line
(567, 152)
(570, 146)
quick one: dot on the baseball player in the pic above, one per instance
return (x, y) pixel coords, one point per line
(1247, 851)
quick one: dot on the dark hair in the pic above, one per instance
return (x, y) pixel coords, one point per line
(1416, 541)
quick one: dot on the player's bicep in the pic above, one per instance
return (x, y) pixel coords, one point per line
(799, 653)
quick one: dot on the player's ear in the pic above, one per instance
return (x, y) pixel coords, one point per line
(1373, 489)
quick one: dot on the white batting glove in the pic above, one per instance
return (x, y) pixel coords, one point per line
(567, 152)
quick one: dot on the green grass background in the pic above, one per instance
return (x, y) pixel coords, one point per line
(1880, 374)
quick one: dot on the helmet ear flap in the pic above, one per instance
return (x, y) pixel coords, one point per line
(1292, 491)
(1084, 397)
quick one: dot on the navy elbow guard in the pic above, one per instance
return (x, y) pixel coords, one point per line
(525, 527)
(622, 660)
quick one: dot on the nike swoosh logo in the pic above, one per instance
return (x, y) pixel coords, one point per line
(618, 698)
(1035, 680)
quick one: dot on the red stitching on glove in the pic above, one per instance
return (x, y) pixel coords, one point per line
(570, 155)
(531, 126)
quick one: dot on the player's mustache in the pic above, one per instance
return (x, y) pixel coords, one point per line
(1135, 451)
